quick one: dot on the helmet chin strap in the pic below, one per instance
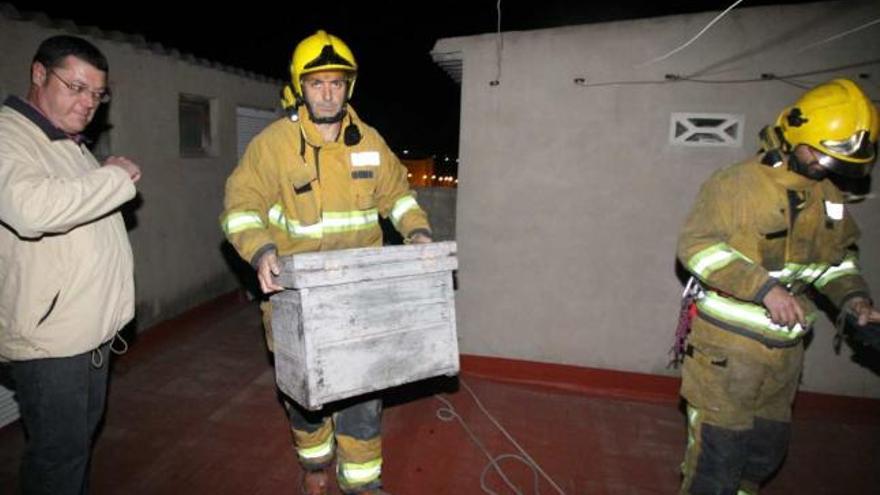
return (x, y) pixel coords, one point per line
(351, 134)
(326, 120)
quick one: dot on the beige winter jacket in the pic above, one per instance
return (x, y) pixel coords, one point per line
(66, 269)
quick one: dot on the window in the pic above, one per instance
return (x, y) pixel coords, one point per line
(249, 122)
(197, 126)
(706, 129)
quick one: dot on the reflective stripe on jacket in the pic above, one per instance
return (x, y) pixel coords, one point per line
(754, 227)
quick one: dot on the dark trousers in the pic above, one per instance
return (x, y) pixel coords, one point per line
(61, 402)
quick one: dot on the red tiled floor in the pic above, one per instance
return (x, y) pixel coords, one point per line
(193, 410)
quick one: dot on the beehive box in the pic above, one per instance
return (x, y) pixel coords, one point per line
(359, 320)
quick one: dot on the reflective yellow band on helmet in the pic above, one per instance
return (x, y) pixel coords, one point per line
(846, 267)
(332, 222)
(318, 451)
(749, 316)
(360, 474)
(401, 206)
(239, 221)
(713, 258)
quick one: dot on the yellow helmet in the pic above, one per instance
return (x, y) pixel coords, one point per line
(321, 51)
(839, 121)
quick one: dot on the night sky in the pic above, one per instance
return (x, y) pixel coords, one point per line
(400, 91)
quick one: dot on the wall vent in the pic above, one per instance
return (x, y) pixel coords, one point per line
(706, 129)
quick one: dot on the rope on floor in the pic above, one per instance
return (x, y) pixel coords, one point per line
(448, 413)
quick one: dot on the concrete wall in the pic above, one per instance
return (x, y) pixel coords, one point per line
(571, 197)
(439, 203)
(174, 228)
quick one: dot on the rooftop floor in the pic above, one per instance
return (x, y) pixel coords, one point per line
(193, 410)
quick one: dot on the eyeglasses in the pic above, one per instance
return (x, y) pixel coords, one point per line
(77, 89)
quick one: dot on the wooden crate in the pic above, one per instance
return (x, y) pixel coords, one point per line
(359, 320)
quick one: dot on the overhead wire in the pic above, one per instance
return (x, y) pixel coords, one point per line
(795, 79)
(499, 47)
(693, 39)
(788, 79)
(840, 35)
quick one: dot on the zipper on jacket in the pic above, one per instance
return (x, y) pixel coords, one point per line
(317, 161)
(316, 149)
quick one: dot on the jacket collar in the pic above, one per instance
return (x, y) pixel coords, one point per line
(31, 113)
(788, 179)
(310, 130)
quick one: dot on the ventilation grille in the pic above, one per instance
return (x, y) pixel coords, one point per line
(706, 129)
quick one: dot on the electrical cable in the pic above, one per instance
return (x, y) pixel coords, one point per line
(688, 43)
(793, 79)
(499, 46)
(449, 413)
(840, 35)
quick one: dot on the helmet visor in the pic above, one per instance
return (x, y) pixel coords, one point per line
(858, 147)
(844, 167)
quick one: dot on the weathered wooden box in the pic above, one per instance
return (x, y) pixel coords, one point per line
(359, 320)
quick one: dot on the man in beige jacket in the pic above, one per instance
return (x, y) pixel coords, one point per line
(66, 270)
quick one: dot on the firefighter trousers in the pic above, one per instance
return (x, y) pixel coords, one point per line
(349, 429)
(739, 394)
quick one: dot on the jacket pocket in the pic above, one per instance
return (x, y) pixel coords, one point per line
(705, 377)
(364, 189)
(773, 232)
(305, 201)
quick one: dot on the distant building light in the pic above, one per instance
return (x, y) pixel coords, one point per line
(424, 177)
(409, 176)
(405, 152)
(433, 177)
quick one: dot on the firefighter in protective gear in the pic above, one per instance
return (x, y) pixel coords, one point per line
(763, 234)
(318, 180)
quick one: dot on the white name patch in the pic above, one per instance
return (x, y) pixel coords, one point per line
(834, 210)
(365, 159)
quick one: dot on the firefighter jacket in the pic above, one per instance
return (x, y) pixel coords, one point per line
(754, 226)
(66, 267)
(292, 192)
